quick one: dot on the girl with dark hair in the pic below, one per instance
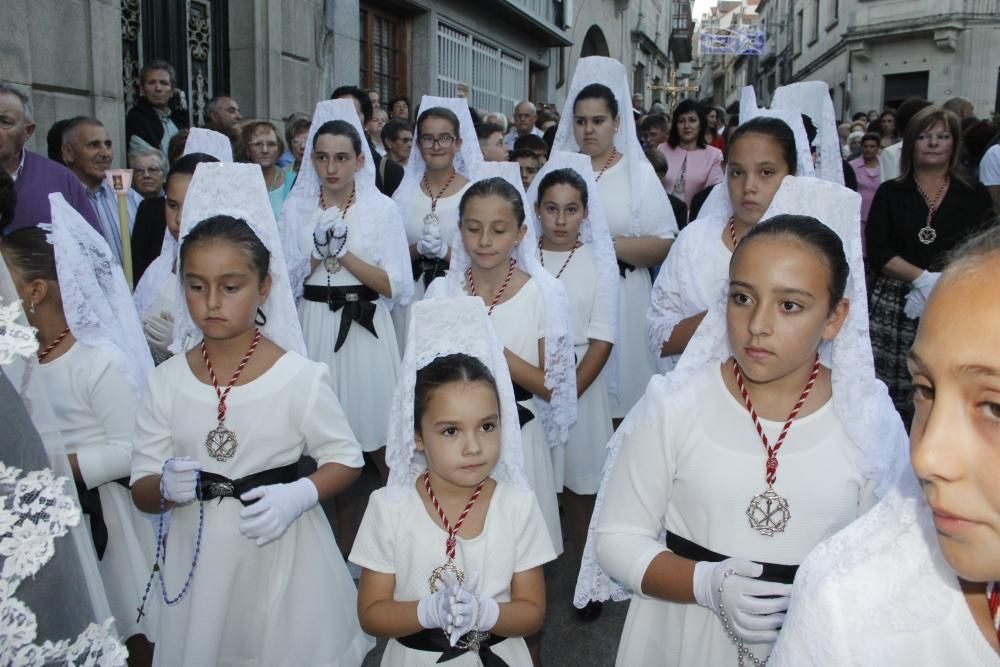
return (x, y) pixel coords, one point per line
(692, 164)
(453, 548)
(596, 122)
(250, 572)
(771, 435)
(887, 130)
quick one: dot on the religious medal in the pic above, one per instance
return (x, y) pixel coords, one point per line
(432, 218)
(221, 442)
(437, 576)
(768, 512)
(927, 235)
(331, 264)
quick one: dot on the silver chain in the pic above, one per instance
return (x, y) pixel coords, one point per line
(742, 652)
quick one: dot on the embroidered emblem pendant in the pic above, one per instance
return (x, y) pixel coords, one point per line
(768, 512)
(927, 235)
(331, 264)
(437, 576)
(221, 443)
(431, 219)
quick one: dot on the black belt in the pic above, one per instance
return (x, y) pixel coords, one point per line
(430, 268)
(436, 641)
(782, 574)
(623, 267)
(214, 486)
(358, 302)
(524, 415)
(90, 503)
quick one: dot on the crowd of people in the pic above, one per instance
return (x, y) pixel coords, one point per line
(583, 337)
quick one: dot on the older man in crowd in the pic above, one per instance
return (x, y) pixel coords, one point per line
(35, 176)
(149, 170)
(525, 116)
(222, 113)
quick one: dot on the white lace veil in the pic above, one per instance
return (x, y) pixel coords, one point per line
(559, 413)
(238, 190)
(96, 299)
(468, 155)
(209, 142)
(812, 98)
(438, 328)
(383, 237)
(860, 402)
(792, 118)
(611, 73)
(593, 233)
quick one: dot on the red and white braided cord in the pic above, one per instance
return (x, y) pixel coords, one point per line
(239, 369)
(452, 530)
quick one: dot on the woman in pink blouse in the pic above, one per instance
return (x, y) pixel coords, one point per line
(692, 164)
(866, 168)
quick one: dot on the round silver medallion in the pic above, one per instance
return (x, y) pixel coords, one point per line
(331, 264)
(431, 219)
(221, 443)
(768, 513)
(927, 235)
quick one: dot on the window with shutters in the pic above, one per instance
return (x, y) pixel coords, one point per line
(496, 78)
(384, 53)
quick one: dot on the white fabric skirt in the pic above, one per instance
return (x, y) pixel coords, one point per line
(363, 373)
(579, 465)
(539, 469)
(401, 314)
(636, 362)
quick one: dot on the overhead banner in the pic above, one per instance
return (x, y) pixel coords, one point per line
(741, 41)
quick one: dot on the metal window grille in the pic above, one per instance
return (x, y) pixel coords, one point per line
(496, 79)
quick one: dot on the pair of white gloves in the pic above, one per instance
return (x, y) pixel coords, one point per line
(277, 506)
(458, 608)
(920, 292)
(159, 330)
(330, 229)
(754, 609)
(431, 243)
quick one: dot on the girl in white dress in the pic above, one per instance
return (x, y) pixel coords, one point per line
(914, 582)
(692, 459)
(495, 258)
(452, 548)
(640, 218)
(251, 572)
(437, 175)
(575, 247)
(94, 360)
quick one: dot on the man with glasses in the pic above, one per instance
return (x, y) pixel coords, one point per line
(388, 174)
(148, 173)
(525, 116)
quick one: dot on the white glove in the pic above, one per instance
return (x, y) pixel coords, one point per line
(159, 330)
(435, 610)
(179, 480)
(925, 282)
(338, 239)
(431, 244)
(472, 610)
(920, 292)
(755, 609)
(277, 506)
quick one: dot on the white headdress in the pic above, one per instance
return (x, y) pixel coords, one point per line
(611, 73)
(383, 234)
(96, 299)
(860, 402)
(468, 155)
(559, 413)
(209, 142)
(593, 233)
(438, 328)
(813, 99)
(238, 190)
(792, 118)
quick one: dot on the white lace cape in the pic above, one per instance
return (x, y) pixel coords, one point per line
(812, 98)
(593, 233)
(96, 299)
(860, 401)
(383, 234)
(611, 73)
(559, 413)
(209, 142)
(792, 118)
(469, 154)
(437, 328)
(238, 190)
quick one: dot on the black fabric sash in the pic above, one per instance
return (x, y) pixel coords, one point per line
(218, 486)
(524, 415)
(623, 267)
(436, 641)
(90, 503)
(358, 302)
(782, 574)
(430, 268)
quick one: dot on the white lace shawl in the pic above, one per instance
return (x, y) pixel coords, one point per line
(812, 98)
(159, 271)
(792, 118)
(96, 299)
(438, 328)
(860, 401)
(383, 234)
(209, 142)
(469, 155)
(559, 413)
(611, 73)
(593, 233)
(238, 190)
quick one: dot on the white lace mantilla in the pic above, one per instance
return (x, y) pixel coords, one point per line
(34, 511)
(16, 340)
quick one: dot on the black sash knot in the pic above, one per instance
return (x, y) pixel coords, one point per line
(90, 504)
(358, 302)
(782, 574)
(213, 486)
(437, 642)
